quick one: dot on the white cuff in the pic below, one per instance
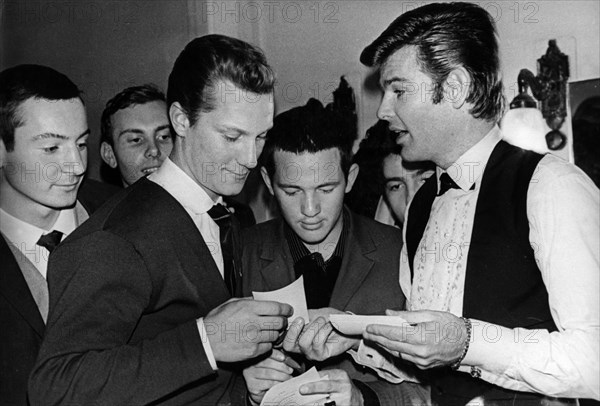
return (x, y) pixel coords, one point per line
(206, 344)
(382, 363)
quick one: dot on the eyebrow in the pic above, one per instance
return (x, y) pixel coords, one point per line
(238, 130)
(394, 79)
(394, 179)
(292, 186)
(45, 136)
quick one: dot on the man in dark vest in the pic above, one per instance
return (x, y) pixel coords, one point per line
(500, 264)
(43, 198)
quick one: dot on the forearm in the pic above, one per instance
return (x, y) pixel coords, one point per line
(561, 364)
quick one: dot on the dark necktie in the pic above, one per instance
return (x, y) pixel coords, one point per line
(446, 183)
(222, 217)
(50, 240)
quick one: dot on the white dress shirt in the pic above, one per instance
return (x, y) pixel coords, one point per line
(563, 209)
(25, 236)
(196, 203)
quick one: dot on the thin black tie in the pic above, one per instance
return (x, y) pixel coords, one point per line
(222, 217)
(50, 240)
(446, 183)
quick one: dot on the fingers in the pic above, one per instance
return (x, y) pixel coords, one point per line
(289, 361)
(311, 332)
(290, 343)
(269, 308)
(273, 323)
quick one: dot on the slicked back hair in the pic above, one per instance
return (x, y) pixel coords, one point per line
(23, 82)
(209, 59)
(308, 129)
(128, 97)
(448, 36)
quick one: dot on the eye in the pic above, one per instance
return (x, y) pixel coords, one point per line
(135, 140)
(290, 192)
(261, 138)
(51, 149)
(82, 145)
(395, 186)
(399, 93)
(165, 137)
(231, 137)
(327, 189)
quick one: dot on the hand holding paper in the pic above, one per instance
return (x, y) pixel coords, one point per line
(337, 386)
(288, 392)
(264, 375)
(292, 294)
(318, 340)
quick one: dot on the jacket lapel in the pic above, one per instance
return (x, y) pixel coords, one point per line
(14, 288)
(191, 250)
(276, 265)
(356, 265)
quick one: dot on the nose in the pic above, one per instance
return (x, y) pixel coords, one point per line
(249, 155)
(385, 110)
(75, 162)
(311, 206)
(152, 151)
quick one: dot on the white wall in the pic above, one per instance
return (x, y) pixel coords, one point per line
(311, 44)
(105, 45)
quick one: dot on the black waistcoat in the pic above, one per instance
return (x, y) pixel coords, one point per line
(503, 284)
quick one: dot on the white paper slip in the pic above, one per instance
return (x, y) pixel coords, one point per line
(292, 294)
(288, 393)
(354, 324)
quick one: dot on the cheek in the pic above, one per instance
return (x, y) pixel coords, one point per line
(129, 158)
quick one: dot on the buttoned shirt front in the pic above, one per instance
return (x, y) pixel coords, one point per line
(563, 211)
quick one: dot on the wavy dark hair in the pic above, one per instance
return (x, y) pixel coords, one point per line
(448, 36)
(208, 59)
(310, 128)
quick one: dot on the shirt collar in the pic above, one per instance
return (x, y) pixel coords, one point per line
(469, 167)
(183, 188)
(20, 232)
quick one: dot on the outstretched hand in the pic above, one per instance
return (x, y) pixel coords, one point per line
(429, 339)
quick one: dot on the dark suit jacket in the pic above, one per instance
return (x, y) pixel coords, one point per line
(22, 325)
(367, 281)
(126, 289)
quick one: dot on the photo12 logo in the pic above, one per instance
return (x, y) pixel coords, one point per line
(267, 11)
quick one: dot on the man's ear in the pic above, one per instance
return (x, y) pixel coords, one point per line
(179, 119)
(267, 179)
(352, 174)
(3, 153)
(457, 86)
(108, 155)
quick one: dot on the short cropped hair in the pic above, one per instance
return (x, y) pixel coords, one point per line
(208, 59)
(310, 128)
(128, 97)
(447, 36)
(23, 82)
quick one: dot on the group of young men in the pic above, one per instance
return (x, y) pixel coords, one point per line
(144, 299)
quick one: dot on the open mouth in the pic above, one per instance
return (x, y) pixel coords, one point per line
(398, 133)
(148, 171)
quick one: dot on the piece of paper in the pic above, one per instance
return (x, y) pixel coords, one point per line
(292, 294)
(288, 393)
(354, 324)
